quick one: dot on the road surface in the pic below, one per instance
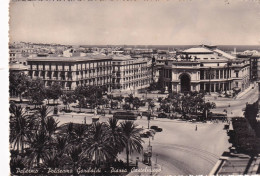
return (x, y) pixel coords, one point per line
(181, 150)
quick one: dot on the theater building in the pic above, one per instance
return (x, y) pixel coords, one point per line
(205, 68)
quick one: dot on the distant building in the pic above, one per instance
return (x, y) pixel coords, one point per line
(205, 68)
(18, 68)
(255, 66)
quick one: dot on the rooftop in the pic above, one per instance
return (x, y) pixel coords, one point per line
(88, 57)
(197, 50)
(17, 66)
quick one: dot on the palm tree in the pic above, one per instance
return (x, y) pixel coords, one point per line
(17, 162)
(52, 159)
(132, 139)
(115, 136)
(43, 112)
(51, 125)
(21, 126)
(80, 131)
(39, 144)
(76, 157)
(99, 149)
(68, 131)
(61, 143)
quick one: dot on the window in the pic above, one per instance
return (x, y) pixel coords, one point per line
(207, 74)
(237, 74)
(217, 74)
(202, 74)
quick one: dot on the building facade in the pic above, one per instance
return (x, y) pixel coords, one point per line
(121, 72)
(131, 72)
(71, 72)
(205, 68)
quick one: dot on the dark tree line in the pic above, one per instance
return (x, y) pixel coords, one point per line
(37, 141)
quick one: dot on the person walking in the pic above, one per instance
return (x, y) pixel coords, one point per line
(196, 128)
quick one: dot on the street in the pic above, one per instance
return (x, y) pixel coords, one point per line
(236, 105)
(181, 150)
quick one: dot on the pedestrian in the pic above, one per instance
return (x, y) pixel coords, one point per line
(196, 128)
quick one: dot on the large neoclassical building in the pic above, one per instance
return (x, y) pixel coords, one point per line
(205, 68)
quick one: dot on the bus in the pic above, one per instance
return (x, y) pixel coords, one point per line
(125, 115)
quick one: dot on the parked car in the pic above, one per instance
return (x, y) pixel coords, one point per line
(145, 113)
(162, 115)
(156, 128)
(144, 135)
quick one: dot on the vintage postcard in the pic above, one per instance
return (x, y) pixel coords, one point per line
(134, 87)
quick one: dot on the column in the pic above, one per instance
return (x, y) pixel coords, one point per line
(178, 87)
(214, 88)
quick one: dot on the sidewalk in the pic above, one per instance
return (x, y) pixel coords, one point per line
(241, 94)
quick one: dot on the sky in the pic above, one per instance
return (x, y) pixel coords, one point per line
(143, 22)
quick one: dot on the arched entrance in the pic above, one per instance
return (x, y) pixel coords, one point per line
(185, 82)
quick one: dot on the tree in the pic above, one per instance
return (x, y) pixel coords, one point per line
(114, 104)
(43, 114)
(76, 157)
(51, 125)
(80, 132)
(130, 99)
(136, 103)
(206, 106)
(131, 138)
(39, 145)
(115, 136)
(19, 83)
(153, 86)
(126, 107)
(17, 162)
(37, 91)
(54, 91)
(51, 159)
(21, 126)
(67, 98)
(61, 143)
(99, 149)
(151, 105)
